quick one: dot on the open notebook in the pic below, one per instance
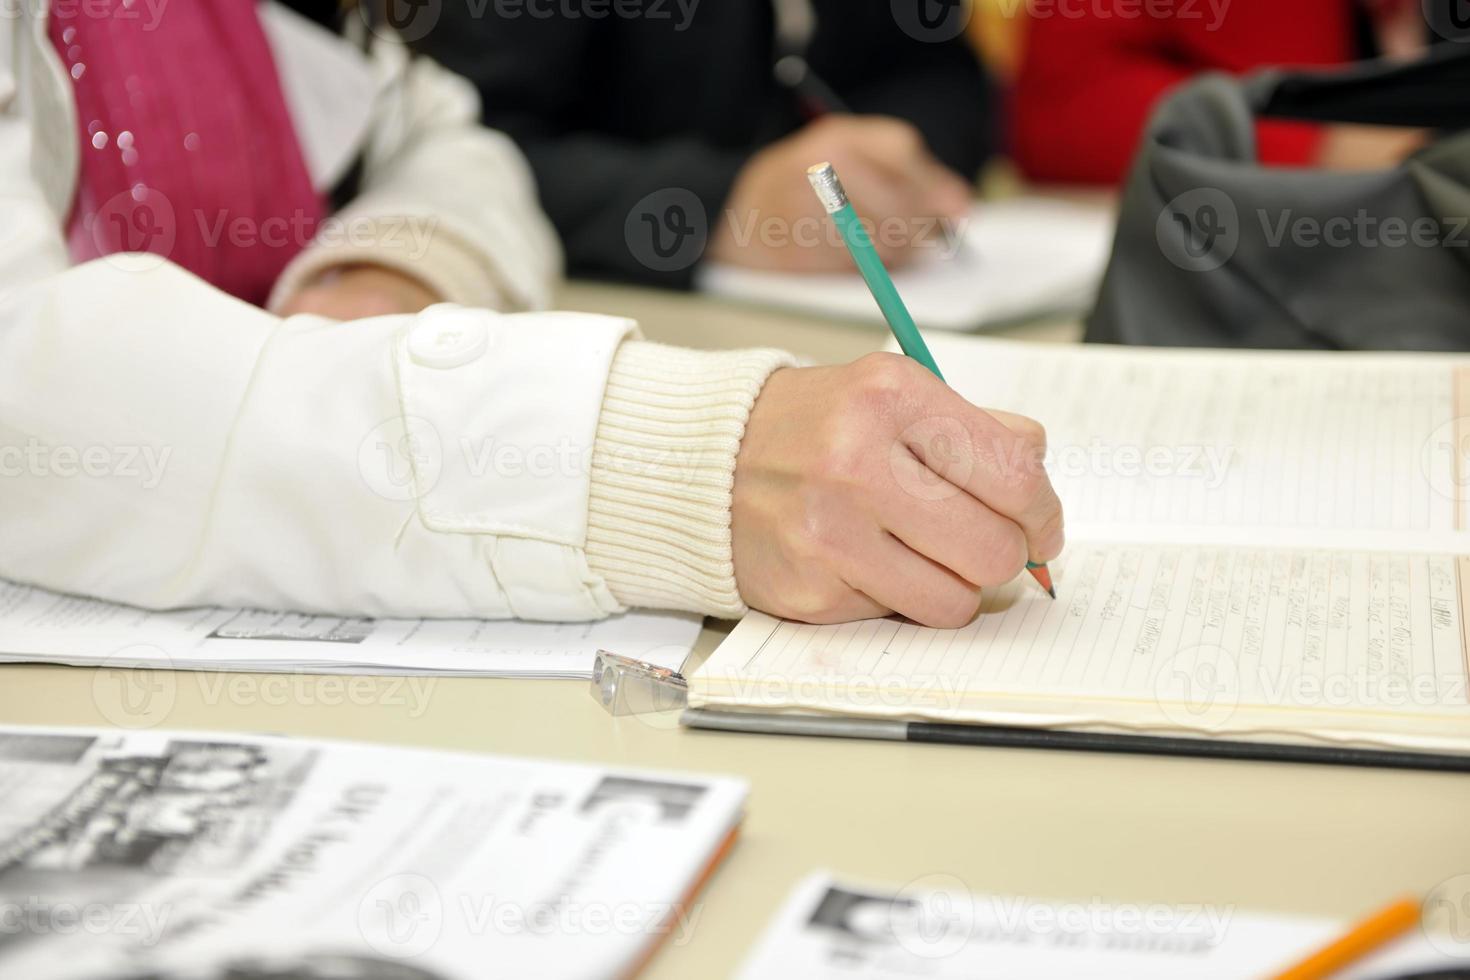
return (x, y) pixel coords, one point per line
(1261, 547)
(1021, 258)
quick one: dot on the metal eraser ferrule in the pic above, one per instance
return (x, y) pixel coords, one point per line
(829, 189)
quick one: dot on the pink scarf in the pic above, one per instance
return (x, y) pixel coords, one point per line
(188, 149)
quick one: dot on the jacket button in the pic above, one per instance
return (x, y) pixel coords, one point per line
(448, 338)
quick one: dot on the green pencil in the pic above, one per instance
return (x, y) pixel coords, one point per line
(834, 199)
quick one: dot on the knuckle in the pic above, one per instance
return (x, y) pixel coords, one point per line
(840, 461)
(815, 539)
(1030, 440)
(881, 377)
(1003, 558)
(1051, 537)
(1033, 434)
(1023, 471)
(803, 544)
(818, 602)
(881, 367)
(950, 610)
(905, 134)
(828, 127)
(1030, 482)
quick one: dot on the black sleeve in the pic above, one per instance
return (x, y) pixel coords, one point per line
(643, 212)
(610, 198)
(643, 209)
(938, 85)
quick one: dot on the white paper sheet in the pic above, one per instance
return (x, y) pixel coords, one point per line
(935, 928)
(1237, 440)
(1275, 629)
(37, 625)
(1021, 258)
(172, 856)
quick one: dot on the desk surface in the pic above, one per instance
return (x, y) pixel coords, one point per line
(1304, 839)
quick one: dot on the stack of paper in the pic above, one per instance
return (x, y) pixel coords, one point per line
(1019, 259)
(934, 928)
(42, 626)
(216, 857)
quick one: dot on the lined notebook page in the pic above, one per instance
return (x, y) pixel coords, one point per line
(1248, 626)
(1239, 439)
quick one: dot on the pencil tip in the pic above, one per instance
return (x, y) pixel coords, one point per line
(1052, 593)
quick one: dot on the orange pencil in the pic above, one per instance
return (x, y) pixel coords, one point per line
(1375, 931)
(1042, 574)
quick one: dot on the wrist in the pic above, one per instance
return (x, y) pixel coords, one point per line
(439, 263)
(663, 472)
(358, 290)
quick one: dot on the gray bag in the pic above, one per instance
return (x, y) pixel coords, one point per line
(1214, 249)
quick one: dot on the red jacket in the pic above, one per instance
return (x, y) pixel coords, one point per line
(1091, 73)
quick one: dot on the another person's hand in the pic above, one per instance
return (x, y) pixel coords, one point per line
(1358, 148)
(357, 291)
(772, 220)
(1398, 26)
(874, 487)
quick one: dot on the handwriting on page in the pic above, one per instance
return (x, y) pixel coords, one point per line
(1287, 628)
(1222, 439)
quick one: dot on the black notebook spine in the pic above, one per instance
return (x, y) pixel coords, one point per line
(1208, 748)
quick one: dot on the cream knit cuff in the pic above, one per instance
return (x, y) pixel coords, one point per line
(663, 468)
(432, 255)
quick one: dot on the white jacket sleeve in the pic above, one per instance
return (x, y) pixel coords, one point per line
(164, 445)
(443, 199)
